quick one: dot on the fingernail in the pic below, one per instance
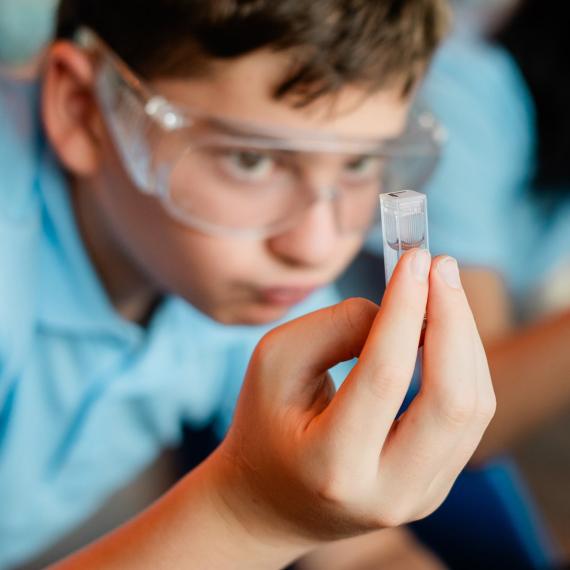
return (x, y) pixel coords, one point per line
(421, 265)
(449, 270)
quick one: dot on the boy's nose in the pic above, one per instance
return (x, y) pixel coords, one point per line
(312, 241)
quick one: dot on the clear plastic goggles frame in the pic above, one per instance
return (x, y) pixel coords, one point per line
(227, 177)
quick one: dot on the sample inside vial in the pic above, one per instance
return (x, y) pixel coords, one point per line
(404, 225)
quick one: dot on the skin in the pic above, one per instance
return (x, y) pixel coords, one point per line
(268, 496)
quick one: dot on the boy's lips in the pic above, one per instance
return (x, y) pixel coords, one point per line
(285, 296)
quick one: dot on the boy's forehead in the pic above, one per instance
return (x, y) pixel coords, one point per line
(244, 89)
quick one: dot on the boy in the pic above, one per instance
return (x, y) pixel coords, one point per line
(236, 179)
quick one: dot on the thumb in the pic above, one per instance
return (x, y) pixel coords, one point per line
(291, 360)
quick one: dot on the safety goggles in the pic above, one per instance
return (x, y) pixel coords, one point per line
(228, 177)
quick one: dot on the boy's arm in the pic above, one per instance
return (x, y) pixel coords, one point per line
(192, 526)
(302, 466)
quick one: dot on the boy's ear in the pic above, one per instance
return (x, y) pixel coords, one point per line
(70, 114)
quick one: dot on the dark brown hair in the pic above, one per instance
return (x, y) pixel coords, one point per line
(372, 43)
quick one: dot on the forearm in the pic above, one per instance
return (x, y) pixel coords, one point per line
(531, 375)
(190, 527)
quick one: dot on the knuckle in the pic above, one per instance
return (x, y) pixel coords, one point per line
(265, 357)
(454, 322)
(353, 312)
(434, 501)
(334, 489)
(457, 409)
(394, 515)
(457, 415)
(412, 309)
(487, 408)
(267, 347)
(387, 381)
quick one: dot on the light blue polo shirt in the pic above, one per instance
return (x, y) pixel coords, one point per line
(481, 209)
(87, 400)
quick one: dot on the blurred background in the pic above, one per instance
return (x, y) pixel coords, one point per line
(25, 28)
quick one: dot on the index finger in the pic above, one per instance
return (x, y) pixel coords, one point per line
(368, 401)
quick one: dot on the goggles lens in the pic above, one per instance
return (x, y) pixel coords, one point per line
(222, 179)
(247, 188)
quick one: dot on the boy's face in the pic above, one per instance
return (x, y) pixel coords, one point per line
(235, 280)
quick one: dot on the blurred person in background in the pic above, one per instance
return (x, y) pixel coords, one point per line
(477, 17)
(500, 202)
(26, 26)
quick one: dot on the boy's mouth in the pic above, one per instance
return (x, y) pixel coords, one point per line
(285, 296)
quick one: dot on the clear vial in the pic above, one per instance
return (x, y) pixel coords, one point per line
(404, 225)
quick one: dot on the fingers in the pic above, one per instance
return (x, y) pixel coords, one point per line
(367, 403)
(445, 422)
(486, 405)
(292, 358)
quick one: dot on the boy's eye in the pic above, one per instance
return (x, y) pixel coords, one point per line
(364, 167)
(248, 164)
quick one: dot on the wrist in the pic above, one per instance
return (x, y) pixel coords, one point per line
(253, 531)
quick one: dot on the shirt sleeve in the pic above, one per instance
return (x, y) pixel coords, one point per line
(479, 96)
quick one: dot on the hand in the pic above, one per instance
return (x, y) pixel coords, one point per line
(303, 462)
(301, 465)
